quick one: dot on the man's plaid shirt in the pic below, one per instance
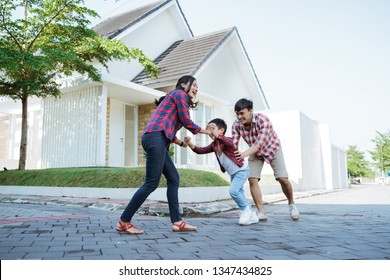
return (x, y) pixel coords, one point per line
(171, 115)
(261, 134)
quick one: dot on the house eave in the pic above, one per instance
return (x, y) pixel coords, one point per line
(129, 92)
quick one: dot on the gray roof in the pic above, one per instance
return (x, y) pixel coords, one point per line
(115, 25)
(184, 57)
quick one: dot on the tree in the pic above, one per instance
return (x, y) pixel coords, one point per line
(52, 40)
(381, 154)
(357, 165)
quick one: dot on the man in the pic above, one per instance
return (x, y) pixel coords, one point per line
(264, 146)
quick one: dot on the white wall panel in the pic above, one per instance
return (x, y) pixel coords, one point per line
(339, 168)
(311, 160)
(71, 129)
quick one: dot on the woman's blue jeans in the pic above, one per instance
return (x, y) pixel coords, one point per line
(237, 181)
(158, 162)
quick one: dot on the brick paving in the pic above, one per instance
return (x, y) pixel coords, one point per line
(69, 232)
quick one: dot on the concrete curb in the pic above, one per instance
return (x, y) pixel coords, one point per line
(186, 195)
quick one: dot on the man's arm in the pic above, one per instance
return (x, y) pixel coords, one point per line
(235, 134)
(251, 150)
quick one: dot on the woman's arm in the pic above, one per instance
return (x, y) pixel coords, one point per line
(179, 142)
(198, 150)
(205, 131)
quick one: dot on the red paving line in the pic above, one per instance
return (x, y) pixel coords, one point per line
(82, 199)
(320, 214)
(32, 219)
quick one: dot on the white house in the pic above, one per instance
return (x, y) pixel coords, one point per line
(100, 124)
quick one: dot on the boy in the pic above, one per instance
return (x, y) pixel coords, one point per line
(238, 170)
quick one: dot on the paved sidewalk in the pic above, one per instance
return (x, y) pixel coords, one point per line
(84, 229)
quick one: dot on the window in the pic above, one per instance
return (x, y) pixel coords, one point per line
(201, 116)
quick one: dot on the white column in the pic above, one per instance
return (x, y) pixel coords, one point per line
(136, 136)
(102, 127)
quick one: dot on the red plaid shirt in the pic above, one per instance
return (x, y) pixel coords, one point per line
(261, 134)
(171, 115)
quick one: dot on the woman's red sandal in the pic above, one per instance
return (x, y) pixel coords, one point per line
(183, 226)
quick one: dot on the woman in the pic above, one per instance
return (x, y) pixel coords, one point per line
(171, 114)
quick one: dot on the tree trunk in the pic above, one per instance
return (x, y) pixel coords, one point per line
(23, 138)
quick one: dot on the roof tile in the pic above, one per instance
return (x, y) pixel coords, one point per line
(184, 57)
(115, 25)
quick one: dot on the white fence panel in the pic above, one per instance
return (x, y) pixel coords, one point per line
(339, 168)
(71, 129)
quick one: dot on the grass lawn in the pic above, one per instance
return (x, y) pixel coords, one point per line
(100, 177)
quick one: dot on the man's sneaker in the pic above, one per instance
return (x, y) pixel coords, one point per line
(294, 212)
(262, 217)
(128, 228)
(247, 217)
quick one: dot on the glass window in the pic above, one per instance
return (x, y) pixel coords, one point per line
(201, 116)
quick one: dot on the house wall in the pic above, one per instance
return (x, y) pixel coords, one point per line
(228, 81)
(234, 77)
(151, 45)
(4, 135)
(10, 133)
(144, 113)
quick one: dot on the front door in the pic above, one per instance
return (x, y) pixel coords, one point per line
(117, 134)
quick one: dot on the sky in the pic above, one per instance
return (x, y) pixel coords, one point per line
(329, 59)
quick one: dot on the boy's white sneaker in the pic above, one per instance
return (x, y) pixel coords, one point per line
(262, 216)
(294, 213)
(248, 217)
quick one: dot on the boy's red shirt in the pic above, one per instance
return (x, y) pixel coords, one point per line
(227, 147)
